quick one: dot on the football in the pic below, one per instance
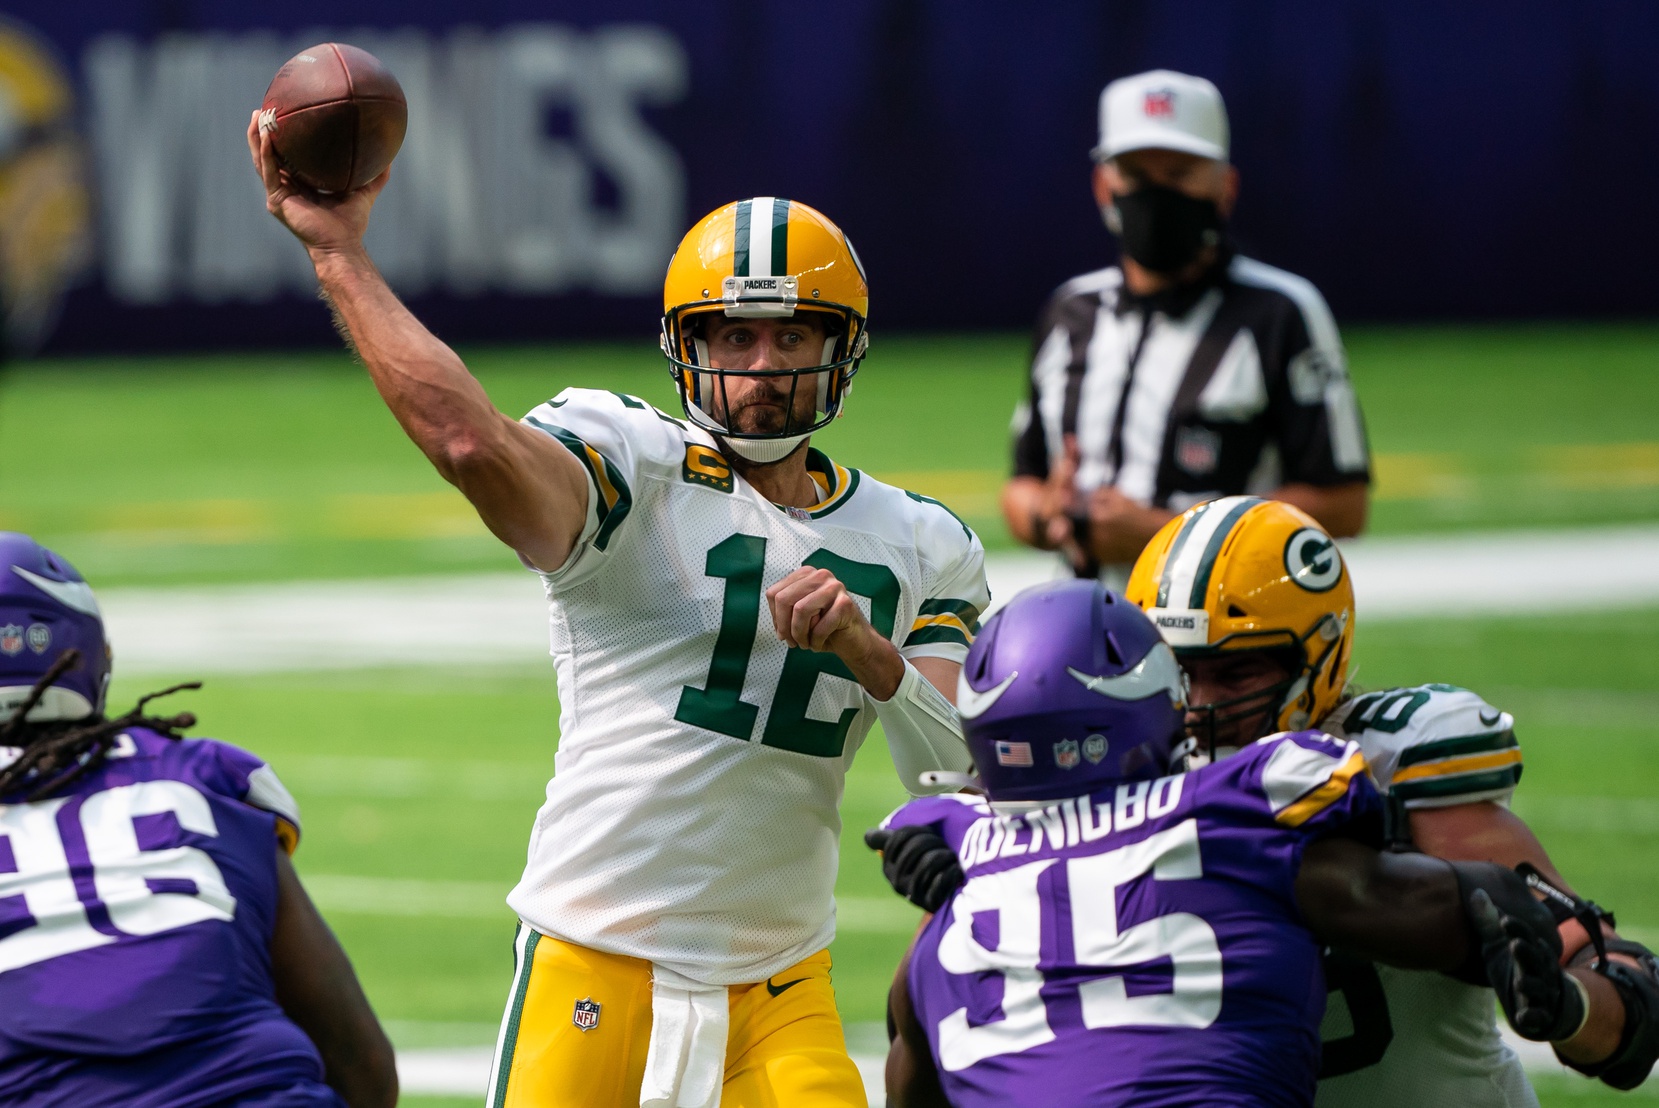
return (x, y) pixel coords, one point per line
(336, 116)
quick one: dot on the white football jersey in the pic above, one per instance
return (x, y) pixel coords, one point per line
(693, 816)
(1434, 1039)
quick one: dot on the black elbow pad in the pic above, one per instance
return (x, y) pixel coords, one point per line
(1638, 987)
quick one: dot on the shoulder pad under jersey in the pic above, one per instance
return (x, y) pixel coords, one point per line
(1433, 745)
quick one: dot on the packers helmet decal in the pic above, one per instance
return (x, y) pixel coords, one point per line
(1243, 573)
(1312, 560)
(765, 257)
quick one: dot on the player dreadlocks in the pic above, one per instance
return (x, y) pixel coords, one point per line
(270, 1008)
(53, 756)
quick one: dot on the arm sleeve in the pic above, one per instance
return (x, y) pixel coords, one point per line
(948, 617)
(1317, 420)
(609, 434)
(1318, 784)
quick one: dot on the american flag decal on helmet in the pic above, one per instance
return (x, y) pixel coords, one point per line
(1013, 754)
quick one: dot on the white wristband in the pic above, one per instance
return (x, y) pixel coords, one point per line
(924, 733)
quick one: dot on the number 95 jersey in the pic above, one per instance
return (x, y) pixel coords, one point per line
(693, 816)
(1140, 945)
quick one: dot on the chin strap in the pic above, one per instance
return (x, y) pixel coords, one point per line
(1637, 985)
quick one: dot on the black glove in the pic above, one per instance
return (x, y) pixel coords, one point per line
(1523, 965)
(918, 863)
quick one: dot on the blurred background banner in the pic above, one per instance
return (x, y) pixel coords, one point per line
(1414, 159)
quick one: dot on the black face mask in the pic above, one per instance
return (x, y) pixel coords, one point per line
(1162, 229)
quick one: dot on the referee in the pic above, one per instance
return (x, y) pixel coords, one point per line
(1185, 373)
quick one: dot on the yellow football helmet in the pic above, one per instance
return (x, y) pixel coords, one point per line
(766, 257)
(1242, 573)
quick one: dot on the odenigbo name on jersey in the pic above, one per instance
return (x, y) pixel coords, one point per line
(693, 816)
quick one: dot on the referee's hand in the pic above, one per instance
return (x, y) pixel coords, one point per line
(1121, 526)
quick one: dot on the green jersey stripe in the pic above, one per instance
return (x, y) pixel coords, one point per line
(920, 499)
(740, 239)
(780, 237)
(1459, 784)
(515, 1013)
(936, 633)
(610, 515)
(1463, 744)
(964, 611)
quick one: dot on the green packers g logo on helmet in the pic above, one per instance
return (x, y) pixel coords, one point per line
(1312, 560)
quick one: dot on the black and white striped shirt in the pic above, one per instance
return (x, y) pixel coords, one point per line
(1237, 385)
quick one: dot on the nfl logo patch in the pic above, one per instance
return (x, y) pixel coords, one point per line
(1160, 104)
(1065, 754)
(11, 639)
(586, 1016)
(1013, 754)
(39, 637)
(1197, 449)
(1094, 748)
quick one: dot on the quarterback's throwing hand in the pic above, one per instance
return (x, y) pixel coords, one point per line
(326, 223)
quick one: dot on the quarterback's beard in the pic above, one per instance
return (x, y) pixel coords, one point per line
(772, 412)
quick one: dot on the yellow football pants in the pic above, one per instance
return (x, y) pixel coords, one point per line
(785, 1048)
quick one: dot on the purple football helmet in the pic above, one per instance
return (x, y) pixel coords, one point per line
(1068, 688)
(46, 607)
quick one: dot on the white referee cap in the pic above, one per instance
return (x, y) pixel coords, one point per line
(1164, 110)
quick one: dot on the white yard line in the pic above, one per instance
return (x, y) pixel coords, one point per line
(501, 618)
(465, 1071)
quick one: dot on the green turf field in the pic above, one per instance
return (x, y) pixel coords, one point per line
(259, 467)
(419, 787)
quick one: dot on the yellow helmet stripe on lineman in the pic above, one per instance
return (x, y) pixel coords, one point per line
(1192, 555)
(761, 238)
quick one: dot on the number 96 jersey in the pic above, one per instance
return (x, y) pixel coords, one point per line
(692, 819)
(1140, 945)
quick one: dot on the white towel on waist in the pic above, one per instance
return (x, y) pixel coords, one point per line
(686, 1064)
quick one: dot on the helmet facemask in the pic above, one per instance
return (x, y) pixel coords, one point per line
(703, 388)
(1283, 705)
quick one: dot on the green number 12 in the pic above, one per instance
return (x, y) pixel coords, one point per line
(719, 705)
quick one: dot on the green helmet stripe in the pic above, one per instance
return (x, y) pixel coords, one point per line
(740, 239)
(1206, 565)
(780, 237)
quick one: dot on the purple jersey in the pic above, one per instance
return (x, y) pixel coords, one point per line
(136, 912)
(1140, 945)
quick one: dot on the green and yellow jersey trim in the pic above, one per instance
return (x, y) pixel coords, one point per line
(1317, 800)
(615, 500)
(837, 482)
(1466, 764)
(952, 621)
